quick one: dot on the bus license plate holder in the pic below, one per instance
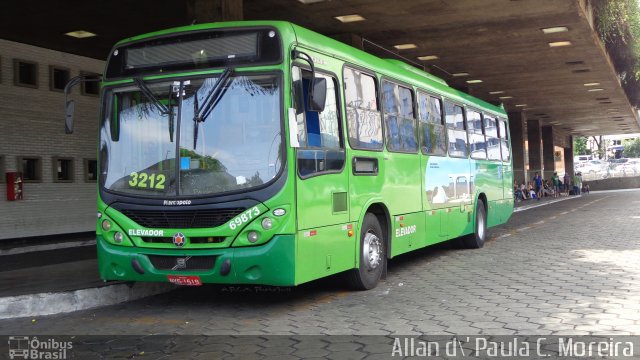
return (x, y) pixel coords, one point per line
(185, 280)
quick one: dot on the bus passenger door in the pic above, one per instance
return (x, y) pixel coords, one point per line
(324, 246)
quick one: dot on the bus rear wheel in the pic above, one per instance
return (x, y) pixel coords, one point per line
(373, 255)
(477, 238)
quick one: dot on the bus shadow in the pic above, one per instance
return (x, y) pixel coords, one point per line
(317, 291)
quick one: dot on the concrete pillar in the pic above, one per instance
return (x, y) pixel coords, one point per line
(534, 141)
(568, 157)
(517, 121)
(204, 11)
(548, 158)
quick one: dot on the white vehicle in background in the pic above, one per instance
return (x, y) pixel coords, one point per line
(592, 167)
(630, 168)
(582, 158)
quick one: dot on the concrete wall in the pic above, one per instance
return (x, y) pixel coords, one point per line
(615, 183)
(32, 124)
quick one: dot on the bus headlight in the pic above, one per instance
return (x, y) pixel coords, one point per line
(267, 223)
(118, 237)
(106, 225)
(252, 236)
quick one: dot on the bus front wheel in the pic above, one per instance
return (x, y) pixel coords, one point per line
(479, 235)
(373, 255)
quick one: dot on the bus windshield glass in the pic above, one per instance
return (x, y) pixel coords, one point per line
(157, 142)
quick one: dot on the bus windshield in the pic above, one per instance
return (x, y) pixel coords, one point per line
(156, 141)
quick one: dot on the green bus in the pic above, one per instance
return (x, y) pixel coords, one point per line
(264, 153)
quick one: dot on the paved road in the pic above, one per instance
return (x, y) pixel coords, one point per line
(569, 268)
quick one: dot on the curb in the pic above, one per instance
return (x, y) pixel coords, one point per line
(548, 202)
(47, 247)
(64, 302)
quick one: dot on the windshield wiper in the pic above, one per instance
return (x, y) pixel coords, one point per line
(200, 114)
(162, 108)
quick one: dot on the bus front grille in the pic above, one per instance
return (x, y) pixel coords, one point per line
(192, 240)
(180, 263)
(182, 219)
(157, 240)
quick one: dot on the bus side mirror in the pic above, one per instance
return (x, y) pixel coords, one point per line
(69, 105)
(70, 109)
(318, 95)
(298, 98)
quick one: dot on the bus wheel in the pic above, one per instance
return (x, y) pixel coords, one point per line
(373, 255)
(476, 240)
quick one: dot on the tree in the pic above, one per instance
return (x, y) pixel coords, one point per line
(580, 146)
(208, 162)
(255, 180)
(600, 143)
(632, 148)
(618, 24)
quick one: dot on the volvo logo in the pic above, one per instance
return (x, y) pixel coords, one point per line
(178, 240)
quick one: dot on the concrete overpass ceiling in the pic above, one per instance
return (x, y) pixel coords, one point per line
(43, 23)
(500, 42)
(497, 41)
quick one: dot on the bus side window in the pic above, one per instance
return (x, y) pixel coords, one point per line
(364, 124)
(504, 140)
(399, 118)
(493, 141)
(456, 130)
(321, 147)
(477, 140)
(432, 130)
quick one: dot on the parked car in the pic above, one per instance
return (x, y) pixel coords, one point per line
(592, 167)
(618, 161)
(582, 158)
(630, 168)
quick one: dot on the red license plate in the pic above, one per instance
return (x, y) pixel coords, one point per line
(185, 280)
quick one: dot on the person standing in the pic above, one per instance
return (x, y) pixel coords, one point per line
(581, 182)
(537, 180)
(555, 181)
(567, 183)
(577, 183)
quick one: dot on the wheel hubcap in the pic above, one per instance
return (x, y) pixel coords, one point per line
(481, 227)
(371, 251)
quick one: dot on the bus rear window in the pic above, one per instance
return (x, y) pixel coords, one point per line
(203, 49)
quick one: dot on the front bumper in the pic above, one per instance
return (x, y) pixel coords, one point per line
(270, 264)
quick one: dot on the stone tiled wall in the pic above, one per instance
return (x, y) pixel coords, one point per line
(32, 124)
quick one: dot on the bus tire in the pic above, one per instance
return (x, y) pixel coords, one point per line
(373, 255)
(477, 238)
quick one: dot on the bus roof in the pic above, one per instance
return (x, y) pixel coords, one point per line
(392, 68)
(401, 70)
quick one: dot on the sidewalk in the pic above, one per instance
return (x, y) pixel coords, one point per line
(53, 278)
(57, 277)
(532, 203)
